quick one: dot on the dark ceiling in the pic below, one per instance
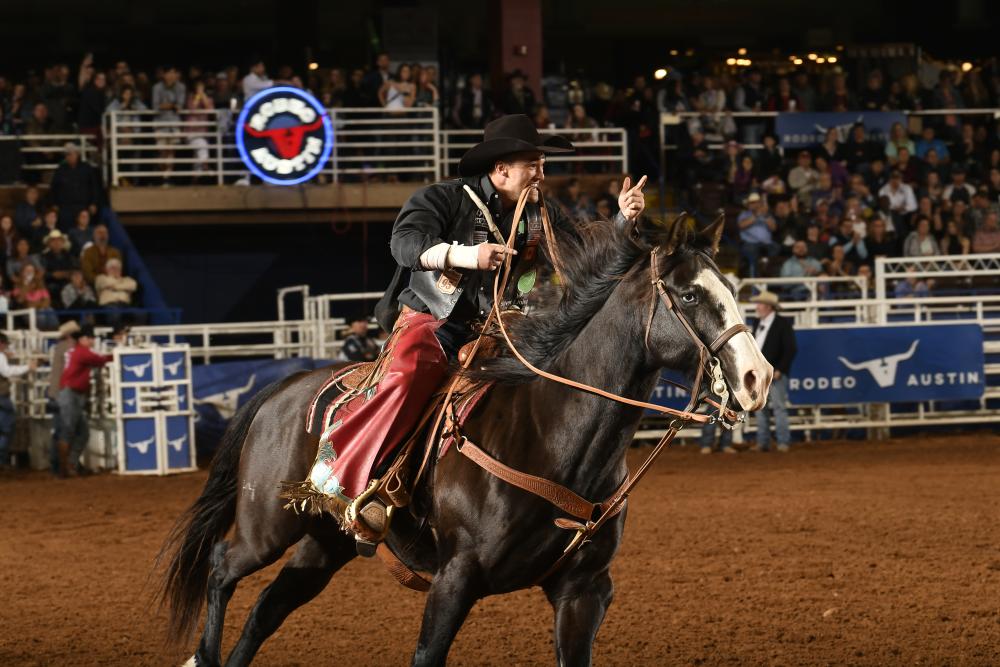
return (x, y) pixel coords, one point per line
(606, 38)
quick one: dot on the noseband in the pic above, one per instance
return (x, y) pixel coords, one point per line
(708, 362)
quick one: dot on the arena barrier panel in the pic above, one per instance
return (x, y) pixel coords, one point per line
(153, 409)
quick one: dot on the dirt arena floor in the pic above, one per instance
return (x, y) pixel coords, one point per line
(842, 553)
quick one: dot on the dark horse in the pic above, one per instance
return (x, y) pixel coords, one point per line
(485, 537)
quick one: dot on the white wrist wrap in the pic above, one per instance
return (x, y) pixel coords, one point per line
(444, 256)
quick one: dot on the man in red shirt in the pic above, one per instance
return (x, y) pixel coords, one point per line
(74, 431)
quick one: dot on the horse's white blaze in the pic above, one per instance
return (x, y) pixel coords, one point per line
(747, 356)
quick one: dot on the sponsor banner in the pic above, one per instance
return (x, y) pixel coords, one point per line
(668, 395)
(284, 135)
(806, 129)
(220, 389)
(893, 364)
(887, 364)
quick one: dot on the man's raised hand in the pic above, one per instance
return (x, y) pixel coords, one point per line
(631, 201)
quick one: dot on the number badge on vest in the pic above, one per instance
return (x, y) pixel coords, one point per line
(448, 282)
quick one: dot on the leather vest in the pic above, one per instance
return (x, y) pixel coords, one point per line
(441, 291)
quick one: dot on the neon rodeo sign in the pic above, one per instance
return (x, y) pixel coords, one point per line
(284, 135)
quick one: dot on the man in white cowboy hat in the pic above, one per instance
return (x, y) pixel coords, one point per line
(57, 262)
(448, 241)
(757, 228)
(776, 340)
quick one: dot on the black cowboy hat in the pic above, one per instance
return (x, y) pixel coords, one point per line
(505, 135)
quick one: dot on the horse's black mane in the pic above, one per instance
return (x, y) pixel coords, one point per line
(594, 260)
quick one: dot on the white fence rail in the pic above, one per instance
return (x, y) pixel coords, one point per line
(42, 153)
(673, 119)
(605, 149)
(142, 145)
(318, 327)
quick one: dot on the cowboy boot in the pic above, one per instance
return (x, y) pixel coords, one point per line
(63, 450)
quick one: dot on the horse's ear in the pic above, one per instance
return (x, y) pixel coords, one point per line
(711, 235)
(677, 233)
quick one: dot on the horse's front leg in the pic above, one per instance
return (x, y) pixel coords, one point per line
(453, 592)
(580, 603)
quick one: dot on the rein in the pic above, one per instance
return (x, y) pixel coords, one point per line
(591, 516)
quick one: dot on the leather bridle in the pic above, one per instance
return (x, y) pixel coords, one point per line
(708, 362)
(591, 516)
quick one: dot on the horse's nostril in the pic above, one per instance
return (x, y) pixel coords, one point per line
(749, 381)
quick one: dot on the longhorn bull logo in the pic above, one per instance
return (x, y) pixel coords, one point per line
(883, 369)
(287, 140)
(142, 446)
(228, 401)
(174, 367)
(138, 370)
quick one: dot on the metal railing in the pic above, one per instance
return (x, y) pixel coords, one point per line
(142, 145)
(43, 152)
(604, 148)
(672, 119)
(319, 329)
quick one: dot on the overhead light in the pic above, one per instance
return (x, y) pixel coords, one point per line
(797, 61)
(314, 65)
(730, 61)
(742, 51)
(840, 47)
(689, 52)
(966, 67)
(673, 52)
(660, 74)
(747, 62)
(792, 58)
(820, 61)
(831, 59)
(811, 56)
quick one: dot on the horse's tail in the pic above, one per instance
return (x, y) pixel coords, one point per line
(189, 544)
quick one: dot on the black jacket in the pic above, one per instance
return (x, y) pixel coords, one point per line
(75, 186)
(444, 212)
(779, 346)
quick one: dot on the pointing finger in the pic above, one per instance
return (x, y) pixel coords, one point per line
(642, 182)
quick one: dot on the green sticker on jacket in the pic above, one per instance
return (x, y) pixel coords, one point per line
(526, 282)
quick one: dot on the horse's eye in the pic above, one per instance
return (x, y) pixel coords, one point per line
(689, 298)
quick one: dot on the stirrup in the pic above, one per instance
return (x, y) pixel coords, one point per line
(369, 519)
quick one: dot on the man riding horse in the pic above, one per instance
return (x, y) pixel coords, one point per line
(448, 240)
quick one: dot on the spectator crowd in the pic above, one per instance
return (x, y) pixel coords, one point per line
(933, 187)
(833, 208)
(57, 260)
(58, 99)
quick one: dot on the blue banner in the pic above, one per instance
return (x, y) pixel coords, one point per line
(220, 389)
(893, 364)
(668, 395)
(806, 129)
(888, 364)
